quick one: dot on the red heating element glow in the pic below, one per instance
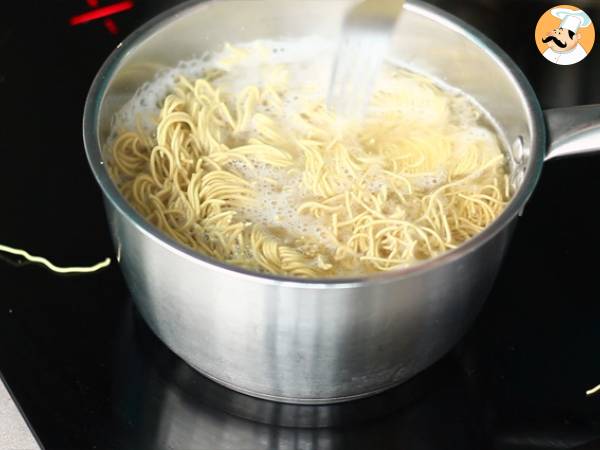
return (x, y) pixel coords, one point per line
(102, 12)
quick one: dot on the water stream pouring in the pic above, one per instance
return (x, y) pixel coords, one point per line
(364, 43)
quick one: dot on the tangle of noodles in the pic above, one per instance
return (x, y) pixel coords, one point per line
(240, 175)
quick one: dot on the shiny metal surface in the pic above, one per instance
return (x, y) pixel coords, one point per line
(303, 342)
(167, 404)
(572, 131)
(311, 341)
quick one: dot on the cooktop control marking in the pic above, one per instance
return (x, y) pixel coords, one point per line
(102, 12)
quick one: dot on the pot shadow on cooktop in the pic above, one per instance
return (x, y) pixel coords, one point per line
(161, 402)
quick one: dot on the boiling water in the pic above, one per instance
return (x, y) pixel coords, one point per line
(306, 63)
(303, 66)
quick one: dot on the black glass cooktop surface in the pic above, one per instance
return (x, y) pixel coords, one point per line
(87, 373)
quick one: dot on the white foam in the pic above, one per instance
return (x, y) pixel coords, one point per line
(278, 196)
(305, 61)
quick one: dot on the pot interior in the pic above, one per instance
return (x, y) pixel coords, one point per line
(426, 40)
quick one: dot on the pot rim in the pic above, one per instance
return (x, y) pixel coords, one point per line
(132, 42)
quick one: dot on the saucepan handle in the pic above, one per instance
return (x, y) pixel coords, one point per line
(573, 131)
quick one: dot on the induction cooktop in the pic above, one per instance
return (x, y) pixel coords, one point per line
(88, 374)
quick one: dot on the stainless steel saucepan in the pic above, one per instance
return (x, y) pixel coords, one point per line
(327, 340)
